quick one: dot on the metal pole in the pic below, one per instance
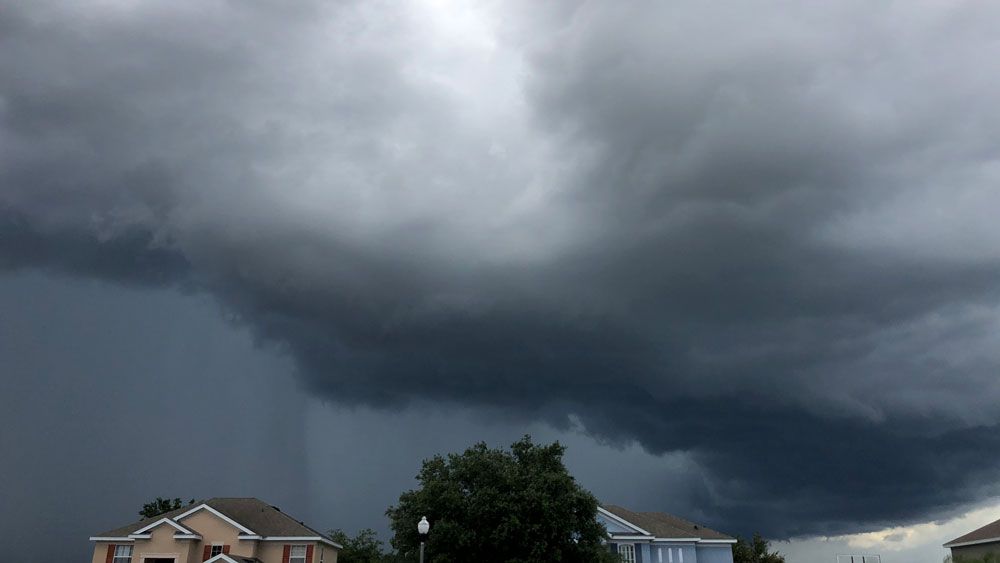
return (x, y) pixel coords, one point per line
(421, 552)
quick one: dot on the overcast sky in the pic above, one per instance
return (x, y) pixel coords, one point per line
(742, 259)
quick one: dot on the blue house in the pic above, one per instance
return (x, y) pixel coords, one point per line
(655, 537)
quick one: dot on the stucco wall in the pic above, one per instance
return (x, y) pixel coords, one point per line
(976, 550)
(215, 530)
(100, 552)
(718, 553)
(271, 551)
(163, 544)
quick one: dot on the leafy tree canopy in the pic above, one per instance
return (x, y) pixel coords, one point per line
(365, 547)
(756, 550)
(161, 505)
(484, 504)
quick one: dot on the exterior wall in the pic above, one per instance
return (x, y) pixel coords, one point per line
(325, 554)
(215, 530)
(163, 544)
(714, 553)
(612, 526)
(682, 553)
(973, 551)
(101, 551)
(271, 551)
(646, 552)
(191, 551)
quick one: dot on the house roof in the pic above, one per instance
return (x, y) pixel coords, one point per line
(255, 514)
(663, 525)
(987, 534)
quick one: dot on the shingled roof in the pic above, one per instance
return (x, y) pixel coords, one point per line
(986, 534)
(255, 514)
(664, 525)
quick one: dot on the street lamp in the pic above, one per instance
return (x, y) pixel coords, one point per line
(423, 527)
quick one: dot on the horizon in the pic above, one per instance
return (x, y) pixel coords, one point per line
(742, 259)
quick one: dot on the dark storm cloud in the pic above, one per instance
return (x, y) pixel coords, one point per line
(759, 235)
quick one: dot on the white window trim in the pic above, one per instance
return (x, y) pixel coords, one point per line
(298, 558)
(123, 558)
(626, 549)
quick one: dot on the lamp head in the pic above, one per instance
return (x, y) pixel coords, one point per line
(424, 526)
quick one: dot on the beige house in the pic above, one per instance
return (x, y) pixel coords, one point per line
(219, 530)
(977, 543)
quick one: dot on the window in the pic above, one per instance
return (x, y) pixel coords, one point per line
(123, 554)
(216, 550)
(627, 552)
(297, 554)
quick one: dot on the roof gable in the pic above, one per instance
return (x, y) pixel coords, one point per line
(617, 525)
(987, 534)
(667, 526)
(254, 518)
(164, 521)
(206, 508)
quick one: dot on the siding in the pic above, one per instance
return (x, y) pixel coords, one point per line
(708, 553)
(976, 550)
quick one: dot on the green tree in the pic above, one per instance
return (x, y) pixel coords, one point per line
(365, 547)
(756, 550)
(520, 505)
(161, 505)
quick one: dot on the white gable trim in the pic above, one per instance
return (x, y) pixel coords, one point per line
(622, 521)
(222, 557)
(241, 527)
(975, 542)
(177, 526)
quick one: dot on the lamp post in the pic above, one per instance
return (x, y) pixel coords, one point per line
(423, 527)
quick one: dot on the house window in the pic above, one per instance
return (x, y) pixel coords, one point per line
(297, 554)
(123, 554)
(627, 552)
(216, 550)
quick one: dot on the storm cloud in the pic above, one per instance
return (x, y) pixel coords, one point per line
(763, 235)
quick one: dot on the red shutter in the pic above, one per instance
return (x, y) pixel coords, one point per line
(309, 554)
(207, 553)
(284, 556)
(111, 553)
(225, 549)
